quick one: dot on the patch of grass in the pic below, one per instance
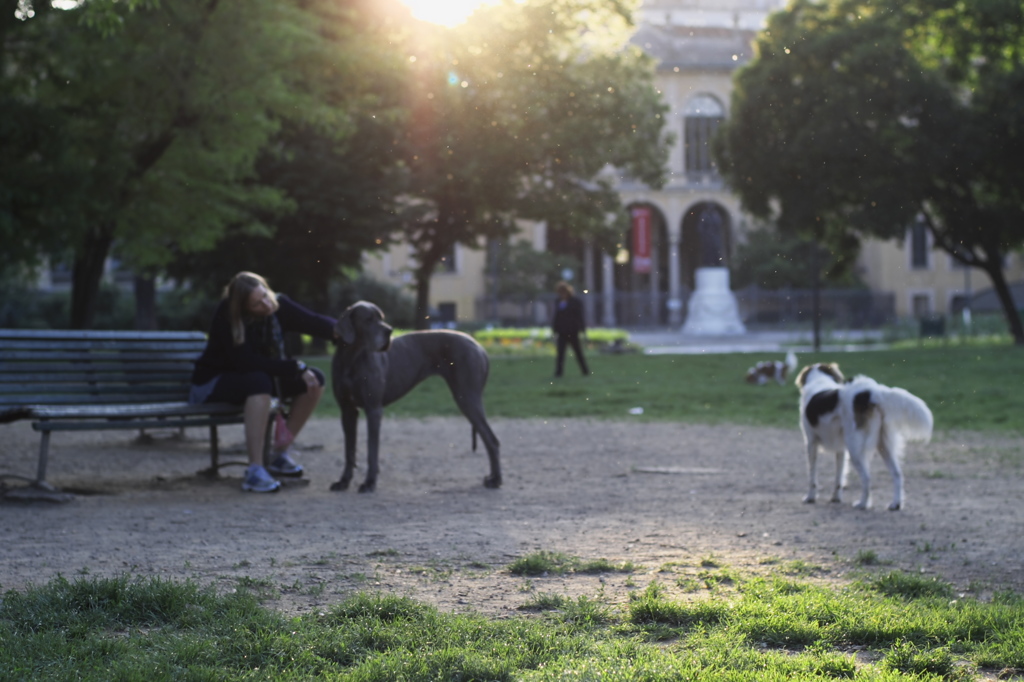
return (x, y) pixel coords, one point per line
(910, 586)
(710, 561)
(718, 579)
(557, 563)
(652, 607)
(774, 628)
(545, 602)
(434, 571)
(801, 568)
(383, 552)
(605, 566)
(964, 386)
(583, 612)
(540, 563)
(867, 557)
(906, 657)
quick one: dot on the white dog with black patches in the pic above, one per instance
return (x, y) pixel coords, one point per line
(856, 419)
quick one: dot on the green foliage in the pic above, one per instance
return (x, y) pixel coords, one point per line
(505, 111)
(965, 387)
(866, 115)
(524, 272)
(23, 307)
(145, 139)
(342, 181)
(775, 261)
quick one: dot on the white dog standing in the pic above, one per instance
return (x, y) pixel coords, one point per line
(858, 418)
(821, 423)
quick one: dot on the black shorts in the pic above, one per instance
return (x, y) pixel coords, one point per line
(236, 387)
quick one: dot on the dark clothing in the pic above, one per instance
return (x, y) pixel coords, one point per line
(568, 316)
(567, 325)
(251, 368)
(574, 341)
(235, 387)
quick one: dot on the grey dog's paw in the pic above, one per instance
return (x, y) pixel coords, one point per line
(368, 487)
(339, 485)
(492, 481)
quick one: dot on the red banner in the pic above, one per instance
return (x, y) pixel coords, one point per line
(641, 239)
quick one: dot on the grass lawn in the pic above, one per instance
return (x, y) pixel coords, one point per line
(967, 387)
(885, 625)
(891, 626)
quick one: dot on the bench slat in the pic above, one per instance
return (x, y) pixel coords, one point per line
(11, 369)
(97, 335)
(92, 346)
(165, 394)
(112, 397)
(130, 410)
(136, 424)
(108, 377)
(70, 356)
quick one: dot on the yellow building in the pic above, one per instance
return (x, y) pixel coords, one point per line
(694, 220)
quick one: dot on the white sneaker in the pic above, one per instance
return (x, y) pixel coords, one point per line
(257, 480)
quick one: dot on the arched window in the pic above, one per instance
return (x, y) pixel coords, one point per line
(919, 245)
(703, 115)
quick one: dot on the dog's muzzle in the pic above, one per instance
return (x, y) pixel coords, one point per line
(385, 338)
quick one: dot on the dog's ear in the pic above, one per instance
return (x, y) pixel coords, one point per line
(344, 329)
(833, 369)
(801, 378)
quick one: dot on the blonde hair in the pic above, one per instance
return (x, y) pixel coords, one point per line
(564, 287)
(237, 293)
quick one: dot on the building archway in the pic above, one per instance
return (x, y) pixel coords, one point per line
(641, 272)
(706, 239)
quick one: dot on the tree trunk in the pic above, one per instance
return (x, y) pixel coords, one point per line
(1010, 310)
(816, 296)
(86, 274)
(423, 275)
(145, 303)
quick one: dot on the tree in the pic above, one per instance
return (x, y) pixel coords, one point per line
(156, 127)
(514, 116)
(865, 114)
(776, 261)
(522, 272)
(342, 190)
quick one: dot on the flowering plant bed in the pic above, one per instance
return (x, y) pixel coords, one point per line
(524, 340)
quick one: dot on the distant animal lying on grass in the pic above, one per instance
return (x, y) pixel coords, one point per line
(853, 420)
(772, 370)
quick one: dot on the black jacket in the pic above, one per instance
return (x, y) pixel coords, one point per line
(260, 351)
(568, 317)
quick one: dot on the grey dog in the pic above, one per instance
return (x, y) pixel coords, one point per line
(370, 370)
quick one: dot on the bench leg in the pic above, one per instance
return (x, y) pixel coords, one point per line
(214, 451)
(44, 454)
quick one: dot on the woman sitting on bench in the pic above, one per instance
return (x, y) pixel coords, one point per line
(245, 363)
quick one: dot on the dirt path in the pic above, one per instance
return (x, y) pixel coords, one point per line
(673, 499)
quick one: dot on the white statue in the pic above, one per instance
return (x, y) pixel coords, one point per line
(713, 309)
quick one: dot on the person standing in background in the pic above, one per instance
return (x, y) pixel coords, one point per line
(568, 324)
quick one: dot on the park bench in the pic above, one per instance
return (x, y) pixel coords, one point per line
(67, 380)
